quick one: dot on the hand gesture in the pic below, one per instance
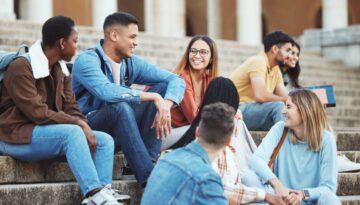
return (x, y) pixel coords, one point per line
(90, 137)
(274, 199)
(162, 121)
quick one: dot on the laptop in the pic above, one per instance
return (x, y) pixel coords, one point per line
(325, 94)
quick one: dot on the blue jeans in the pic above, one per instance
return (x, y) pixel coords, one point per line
(130, 126)
(262, 116)
(91, 170)
(251, 179)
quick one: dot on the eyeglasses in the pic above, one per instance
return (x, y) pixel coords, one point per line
(202, 52)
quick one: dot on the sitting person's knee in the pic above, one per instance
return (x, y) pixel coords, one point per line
(278, 105)
(104, 139)
(159, 88)
(122, 108)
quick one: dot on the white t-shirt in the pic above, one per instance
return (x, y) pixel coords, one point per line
(115, 70)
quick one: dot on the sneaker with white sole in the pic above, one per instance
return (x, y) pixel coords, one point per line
(345, 165)
(122, 198)
(103, 197)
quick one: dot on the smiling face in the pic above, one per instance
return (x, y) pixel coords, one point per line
(70, 46)
(283, 52)
(199, 55)
(293, 57)
(125, 38)
(292, 115)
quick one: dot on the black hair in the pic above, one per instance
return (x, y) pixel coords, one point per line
(119, 18)
(294, 73)
(56, 28)
(276, 37)
(219, 90)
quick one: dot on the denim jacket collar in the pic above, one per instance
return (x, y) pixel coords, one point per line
(98, 46)
(197, 149)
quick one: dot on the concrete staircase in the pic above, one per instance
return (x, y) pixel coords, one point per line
(51, 182)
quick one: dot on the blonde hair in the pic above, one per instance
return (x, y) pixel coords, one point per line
(212, 68)
(313, 115)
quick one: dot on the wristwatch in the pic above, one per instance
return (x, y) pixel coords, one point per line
(306, 195)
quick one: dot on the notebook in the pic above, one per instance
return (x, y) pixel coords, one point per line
(325, 94)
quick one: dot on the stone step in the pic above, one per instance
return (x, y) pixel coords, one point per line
(341, 73)
(348, 101)
(66, 193)
(344, 121)
(16, 171)
(19, 172)
(350, 200)
(346, 140)
(348, 184)
(344, 111)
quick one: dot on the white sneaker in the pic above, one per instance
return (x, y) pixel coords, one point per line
(345, 165)
(103, 197)
(119, 197)
(115, 193)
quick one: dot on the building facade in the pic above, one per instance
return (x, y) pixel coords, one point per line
(243, 20)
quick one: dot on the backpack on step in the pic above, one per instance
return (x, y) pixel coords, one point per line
(6, 58)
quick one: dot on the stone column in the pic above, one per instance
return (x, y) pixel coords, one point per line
(334, 14)
(101, 9)
(213, 16)
(36, 10)
(249, 26)
(7, 10)
(165, 17)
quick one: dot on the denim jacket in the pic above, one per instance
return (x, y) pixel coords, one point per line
(87, 74)
(184, 176)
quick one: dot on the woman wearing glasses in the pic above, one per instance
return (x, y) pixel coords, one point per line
(198, 66)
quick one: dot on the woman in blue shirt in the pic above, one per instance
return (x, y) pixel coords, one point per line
(305, 169)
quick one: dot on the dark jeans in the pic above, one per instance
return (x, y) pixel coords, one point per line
(129, 124)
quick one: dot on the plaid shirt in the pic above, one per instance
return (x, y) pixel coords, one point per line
(228, 168)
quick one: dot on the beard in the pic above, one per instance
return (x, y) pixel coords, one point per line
(280, 61)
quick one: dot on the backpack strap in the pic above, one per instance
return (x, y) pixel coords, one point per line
(84, 91)
(102, 66)
(101, 60)
(278, 147)
(22, 46)
(126, 79)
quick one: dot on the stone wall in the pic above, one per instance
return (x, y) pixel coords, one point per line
(343, 44)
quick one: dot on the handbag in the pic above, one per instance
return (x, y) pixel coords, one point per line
(277, 148)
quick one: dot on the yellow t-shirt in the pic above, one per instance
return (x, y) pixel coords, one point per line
(255, 66)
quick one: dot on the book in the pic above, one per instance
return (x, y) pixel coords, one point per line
(325, 94)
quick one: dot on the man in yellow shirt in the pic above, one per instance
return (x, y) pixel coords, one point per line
(260, 85)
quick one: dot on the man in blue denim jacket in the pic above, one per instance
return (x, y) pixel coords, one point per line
(185, 176)
(102, 77)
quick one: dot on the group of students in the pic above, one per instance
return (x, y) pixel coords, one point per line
(89, 114)
(208, 170)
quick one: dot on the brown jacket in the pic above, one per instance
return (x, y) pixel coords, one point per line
(26, 101)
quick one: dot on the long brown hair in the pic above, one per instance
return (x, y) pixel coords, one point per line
(313, 115)
(213, 63)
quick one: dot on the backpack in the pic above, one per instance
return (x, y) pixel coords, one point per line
(6, 58)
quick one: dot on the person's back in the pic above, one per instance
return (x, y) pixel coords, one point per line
(185, 176)
(188, 174)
